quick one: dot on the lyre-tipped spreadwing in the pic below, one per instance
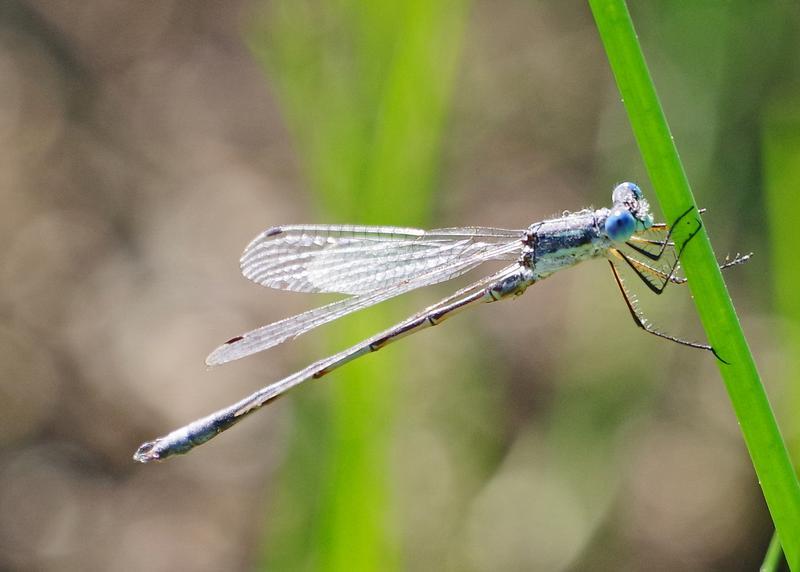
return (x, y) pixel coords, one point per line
(374, 263)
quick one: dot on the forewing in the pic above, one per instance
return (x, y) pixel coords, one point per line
(361, 259)
(273, 334)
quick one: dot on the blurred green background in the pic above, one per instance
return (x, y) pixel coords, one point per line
(146, 143)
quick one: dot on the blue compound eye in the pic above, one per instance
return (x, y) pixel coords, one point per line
(620, 225)
(625, 192)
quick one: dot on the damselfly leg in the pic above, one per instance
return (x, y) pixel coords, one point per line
(656, 280)
(644, 324)
(666, 242)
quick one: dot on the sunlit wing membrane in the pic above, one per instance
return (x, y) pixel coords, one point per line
(273, 334)
(279, 387)
(359, 259)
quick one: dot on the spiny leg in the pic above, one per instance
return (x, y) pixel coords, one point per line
(666, 242)
(647, 270)
(659, 227)
(735, 261)
(657, 286)
(642, 322)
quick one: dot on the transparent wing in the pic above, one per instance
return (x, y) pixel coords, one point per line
(360, 259)
(273, 334)
(330, 363)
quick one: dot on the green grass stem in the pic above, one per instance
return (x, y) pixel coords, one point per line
(772, 559)
(365, 89)
(671, 186)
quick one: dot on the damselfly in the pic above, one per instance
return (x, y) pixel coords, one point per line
(372, 264)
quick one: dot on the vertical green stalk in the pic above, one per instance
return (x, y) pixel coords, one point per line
(365, 87)
(772, 559)
(780, 146)
(762, 437)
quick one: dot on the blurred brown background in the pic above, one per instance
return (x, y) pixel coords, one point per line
(144, 145)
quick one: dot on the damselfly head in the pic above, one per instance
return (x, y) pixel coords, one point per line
(629, 197)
